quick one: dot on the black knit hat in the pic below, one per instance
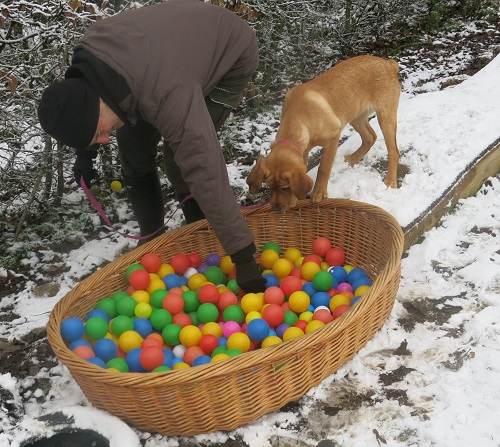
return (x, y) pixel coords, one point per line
(69, 112)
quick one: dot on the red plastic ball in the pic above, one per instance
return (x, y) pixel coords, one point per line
(208, 293)
(191, 353)
(208, 343)
(323, 315)
(291, 284)
(174, 303)
(312, 258)
(274, 314)
(182, 319)
(84, 352)
(151, 262)
(151, 357)
(194, 260)
(296, 271)
(335, 256)
(180, 263)
(226, 298)
(139, 279)
(321, 245)
(301, 324)
(274, 295)
(339, 310)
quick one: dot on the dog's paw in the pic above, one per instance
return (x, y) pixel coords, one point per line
(391, 182)
(318, 195)
(351, 159)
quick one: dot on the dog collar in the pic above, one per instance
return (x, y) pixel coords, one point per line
(293, 144)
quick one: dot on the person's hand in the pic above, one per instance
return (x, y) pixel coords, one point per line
(84, 166)
(248, 273)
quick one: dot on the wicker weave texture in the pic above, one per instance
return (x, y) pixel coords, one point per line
(233, 392)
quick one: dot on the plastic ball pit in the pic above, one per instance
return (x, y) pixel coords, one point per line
(234, 391)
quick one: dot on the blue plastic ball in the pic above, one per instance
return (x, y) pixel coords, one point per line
(79, 342)
(202, 267)
(356, 273)
(222, 341)
(97, 361)
(105, 349)
(355, 300)
(72, 329)
(132, 359)
(271, 280)
(309, 288)
(172, 280)
(97, 313)
(361, 281)
(168, 357)
(183, 280)
(320, 299)
(201, 360)
(258, 329)
(339, 273)
(143, 327)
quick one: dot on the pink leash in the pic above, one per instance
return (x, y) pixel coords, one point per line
(101, 212)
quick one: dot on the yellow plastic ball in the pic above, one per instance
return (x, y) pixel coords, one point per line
(226, 265)
(239, 340)
(196, 281)
(268, 258)
(129, 340)
(143, 310)
(282, 268)
(116, 185)
(164, 270)
(223, 288)
(180, 365)
(292, 254)
(155, 284)
(292, 332)
(348, 268)
(252, 302)
(309, 269)
(299, 301)
(337, 300)
(325, 266)
(306, 316)
(190, 335)
(141, 296)
(271, 340)
(252, 315)
(361, 290)
(212, 328)
(298, 261)
(219, 357)
(313, 325)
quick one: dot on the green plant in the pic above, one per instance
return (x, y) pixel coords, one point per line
(11, 255)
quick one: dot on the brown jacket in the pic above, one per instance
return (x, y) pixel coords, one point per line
(171, 56)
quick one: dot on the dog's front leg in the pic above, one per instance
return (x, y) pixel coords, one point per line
(320, 190)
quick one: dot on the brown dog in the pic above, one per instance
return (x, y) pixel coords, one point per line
(315, 113)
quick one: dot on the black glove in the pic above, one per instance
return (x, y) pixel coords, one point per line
(84, 166)
(248, 273)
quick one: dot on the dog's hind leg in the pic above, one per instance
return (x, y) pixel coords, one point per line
(388, 124)
(368, 138)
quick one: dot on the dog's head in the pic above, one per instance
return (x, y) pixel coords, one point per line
(286, 177)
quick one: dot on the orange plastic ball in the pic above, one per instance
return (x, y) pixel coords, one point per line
(182, 319)
(226, 298)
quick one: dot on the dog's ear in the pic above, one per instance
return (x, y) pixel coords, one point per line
(300, 184)
(257, 175)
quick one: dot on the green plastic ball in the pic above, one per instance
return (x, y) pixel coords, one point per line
(271, 246)
(191, 301)
(207, 312)
(233, 313)
(118, 294)
(118, 363)
(219, 350)
(160, 318)
(161, 368)
(126, 305)
(322, 280)
(120, 324)
(195, 319)
(96, 328)
(170, 334)
(157, 298)
(233, 352)
(215, 275)
(107, 305)
(290, 318)
(233, 286)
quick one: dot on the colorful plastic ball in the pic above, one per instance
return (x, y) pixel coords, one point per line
(84, 352)
(299, 301)
(273, 314)
(119, 364)
(309, 269)
(164, 270)
(230, 327)
(215, 275)
(270, 341)
(226, 265)
(107, 305)
(151, 262)
(130, 340)
(268, 258)
(180, 263)
(292, 254)
(132, 359)
(79, 342)
(207, 312)
(160, 318)
(226, 299)
(139, 279)
(280, 330)
(97, 361)
(301, 324)
(208, 293)
(105, 349)
(190, 272)
(131, 268)
(171, 334)
(323, 315)
(173, 303)
(182, 319)
(126, 305)
(290, 318)
(292, 332)
(348, 294)
(233, 313)
(322, 280)
(96, 328)
(212, 328)
(116, 185)
(258, 329)
(151, 357)
(335, 256)
(191, 353)
(219, 349)
(208, 343)
(238, 340)
(314, 325)
(72, 329)
(271, 280)
(321, 245)
(213, 259)
(339, 273)
(202, 360)
(282, 268)
(194, 260)
(290, 284)
(338, 300)
(157, 297)
(143, 326)
(343, 287)
(340, 310)
(172, 280)
(220, 356)
(252, 301)
(190, 335)
(320, 299)
(143, 310)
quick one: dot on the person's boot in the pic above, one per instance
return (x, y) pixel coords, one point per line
(190, 208)
(146, 197)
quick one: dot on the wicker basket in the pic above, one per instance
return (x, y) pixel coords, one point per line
(236, 391)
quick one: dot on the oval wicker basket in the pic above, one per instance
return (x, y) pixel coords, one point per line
(233, 392)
